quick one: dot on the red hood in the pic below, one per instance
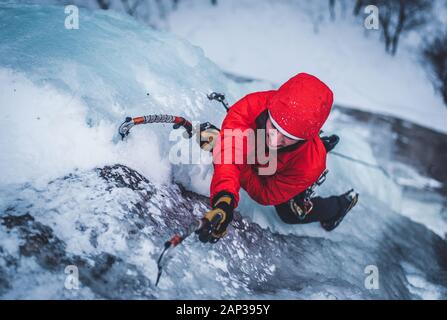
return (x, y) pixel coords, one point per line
(301, 106)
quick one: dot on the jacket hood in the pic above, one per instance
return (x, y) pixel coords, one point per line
(301, 106)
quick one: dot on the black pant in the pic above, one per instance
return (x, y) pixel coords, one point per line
(324, 209)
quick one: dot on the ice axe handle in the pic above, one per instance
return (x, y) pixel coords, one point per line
(176, 240)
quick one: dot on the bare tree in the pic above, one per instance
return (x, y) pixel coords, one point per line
(103, 4)
(435, 53)
(359, 4)
(332, 9)
(130, 7)
(398, 17)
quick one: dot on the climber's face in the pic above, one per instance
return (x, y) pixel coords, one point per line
(275, 139)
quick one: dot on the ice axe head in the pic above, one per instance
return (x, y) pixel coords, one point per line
(125, 127)
(182, 122)
(218, 97)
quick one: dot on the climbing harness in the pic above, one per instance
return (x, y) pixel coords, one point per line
(302, 212)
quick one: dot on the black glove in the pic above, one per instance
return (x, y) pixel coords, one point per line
(208, 136)
(330, 142)
(217, 220)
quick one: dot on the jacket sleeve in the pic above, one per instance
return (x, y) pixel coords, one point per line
(241, 115)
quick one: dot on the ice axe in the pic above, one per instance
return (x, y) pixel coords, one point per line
(194, 227)
(178, 122)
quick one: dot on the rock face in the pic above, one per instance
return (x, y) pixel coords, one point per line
(399, 141)
(110, 223)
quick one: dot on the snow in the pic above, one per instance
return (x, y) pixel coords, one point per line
(418, 285)
(82, 95)
(408, 176)
(429, 212)
(274, 40)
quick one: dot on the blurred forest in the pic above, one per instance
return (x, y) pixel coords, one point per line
(397, 18)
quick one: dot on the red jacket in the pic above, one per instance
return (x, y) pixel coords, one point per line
(298, 167)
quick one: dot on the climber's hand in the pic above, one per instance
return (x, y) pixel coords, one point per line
(208, 136)
(216, 221)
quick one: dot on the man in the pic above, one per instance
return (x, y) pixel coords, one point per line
(292, 117)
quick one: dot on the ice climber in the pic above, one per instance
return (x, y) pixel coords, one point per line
(291, 118)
